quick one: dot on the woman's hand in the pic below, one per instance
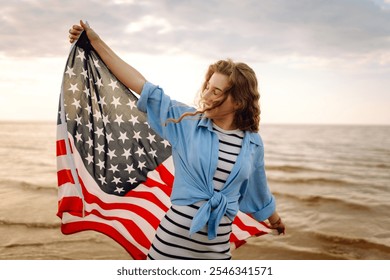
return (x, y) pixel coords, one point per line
(76, 30)
(276, 223)
(279, 226)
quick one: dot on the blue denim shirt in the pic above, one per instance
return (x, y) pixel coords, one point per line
(195, 157)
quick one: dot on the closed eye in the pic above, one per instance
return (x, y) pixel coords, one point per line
(215, 90)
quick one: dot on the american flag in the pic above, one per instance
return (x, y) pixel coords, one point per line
(115, 174)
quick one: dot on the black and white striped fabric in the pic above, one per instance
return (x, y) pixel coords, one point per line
(172, 240)
(230, 142)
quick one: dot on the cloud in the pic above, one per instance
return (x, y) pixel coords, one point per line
(149, 21)
(40, 28)
(258, 30)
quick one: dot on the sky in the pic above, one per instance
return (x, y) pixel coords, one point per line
(317, 62)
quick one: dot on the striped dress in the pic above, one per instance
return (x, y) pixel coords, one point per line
(172, 240)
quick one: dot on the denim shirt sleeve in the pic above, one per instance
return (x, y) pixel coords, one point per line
(159, 108)
(257, 198)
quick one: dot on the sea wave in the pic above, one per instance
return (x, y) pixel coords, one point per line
(28, 185)
(312, 181)
(291, 168)
(320, 200)
(367, 163)
(381, 165)
(46, 243)
(352, 247)
(42, 225)
(23, 148)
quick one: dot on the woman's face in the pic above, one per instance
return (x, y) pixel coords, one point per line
(213, 92)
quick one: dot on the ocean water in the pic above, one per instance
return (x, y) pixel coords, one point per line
(331, 183)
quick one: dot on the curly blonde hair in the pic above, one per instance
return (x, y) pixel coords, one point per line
(243, 88)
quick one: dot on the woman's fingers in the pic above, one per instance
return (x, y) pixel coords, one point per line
(74, 33)
(77, 28)
(73, 38)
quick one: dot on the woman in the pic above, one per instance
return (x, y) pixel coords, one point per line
(217, 152)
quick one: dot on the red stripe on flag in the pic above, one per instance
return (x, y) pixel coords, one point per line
(65, 176)
(107, 230)
(72, 205)
(251, 229)
(70, 146)
(165, 175)
(150, 197)
(152, 183)
(61, 148)
(237, 242)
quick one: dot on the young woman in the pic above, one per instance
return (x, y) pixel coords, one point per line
(217, 152)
